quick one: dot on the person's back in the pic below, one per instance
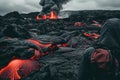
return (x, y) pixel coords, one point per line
(101, 61)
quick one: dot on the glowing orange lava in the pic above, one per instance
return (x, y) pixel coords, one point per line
(39, 53)
(52, 15)
(17, 69)
(36, 42)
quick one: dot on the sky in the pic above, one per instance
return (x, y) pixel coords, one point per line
(26, 6)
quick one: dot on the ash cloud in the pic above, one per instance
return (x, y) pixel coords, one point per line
(51, 5)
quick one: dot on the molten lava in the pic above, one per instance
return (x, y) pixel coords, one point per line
(91, 35)
(52, 15)
(38, 43)
(17, 69)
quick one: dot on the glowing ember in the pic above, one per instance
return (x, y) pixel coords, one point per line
(38, 43)
(52, 15)
(91, 35)
(81, 24)
(96, 36)
(17, 69)
(96, 23)
(62, 45)
(38, 18)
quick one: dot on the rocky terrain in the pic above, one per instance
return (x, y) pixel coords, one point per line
(68, 37)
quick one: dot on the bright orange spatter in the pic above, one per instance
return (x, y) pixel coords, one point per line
(18, 68)
(52, 15)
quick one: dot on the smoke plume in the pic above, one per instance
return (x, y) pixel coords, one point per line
(51, 5)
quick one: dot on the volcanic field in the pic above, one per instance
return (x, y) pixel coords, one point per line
(47, 49)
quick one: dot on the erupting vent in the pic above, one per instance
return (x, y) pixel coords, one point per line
(52, 15)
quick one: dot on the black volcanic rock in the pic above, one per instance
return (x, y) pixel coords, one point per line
(30, 15)
(59, 66)
(14, 14)
(15, 31)
(63, 63)
(88, 15)
(14, 47)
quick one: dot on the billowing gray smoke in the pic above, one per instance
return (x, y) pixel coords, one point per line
(51, 5)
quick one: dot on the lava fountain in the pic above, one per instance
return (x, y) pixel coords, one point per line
(52, 15)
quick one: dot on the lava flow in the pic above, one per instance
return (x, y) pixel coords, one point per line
(17, 69)
(52, 15)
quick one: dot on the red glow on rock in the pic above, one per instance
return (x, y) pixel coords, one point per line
(65, 45)
(18, 69)
(96, 23)
(87, 34)
(38, 43)
(52, 15)
(78, 24)
(91, 35)
(62, 45)
(38, 18)
(44, 16)
(39, 53)
(81, 24)
(96, 36)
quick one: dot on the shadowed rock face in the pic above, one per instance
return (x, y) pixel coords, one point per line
(14, 31)
(65, 45)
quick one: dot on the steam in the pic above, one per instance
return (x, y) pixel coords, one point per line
(52, 5)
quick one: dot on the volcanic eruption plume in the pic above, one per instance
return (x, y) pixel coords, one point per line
(50, 8)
